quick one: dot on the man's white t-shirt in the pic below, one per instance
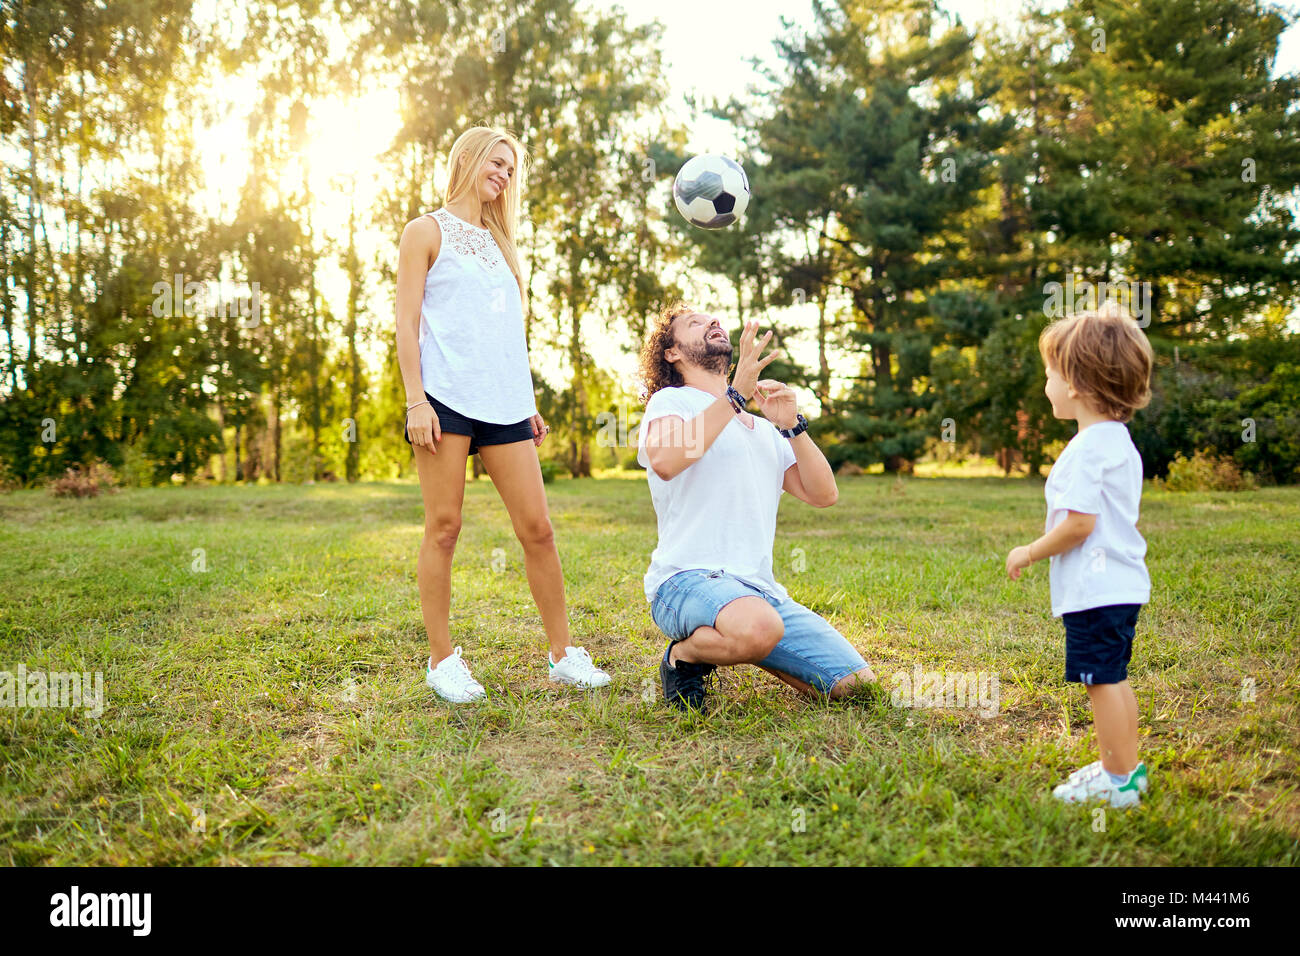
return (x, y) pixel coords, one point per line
(720, 512)
(1099, 473)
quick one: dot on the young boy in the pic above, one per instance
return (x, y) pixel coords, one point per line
(1098, 373)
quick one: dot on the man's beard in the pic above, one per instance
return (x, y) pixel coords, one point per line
(709, 356)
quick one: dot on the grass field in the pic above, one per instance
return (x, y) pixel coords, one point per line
(271, 708)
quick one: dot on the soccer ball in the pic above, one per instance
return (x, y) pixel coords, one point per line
(711, 191)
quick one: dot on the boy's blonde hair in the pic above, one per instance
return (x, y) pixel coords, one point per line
(1104, 356)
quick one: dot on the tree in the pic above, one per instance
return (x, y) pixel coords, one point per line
(895, 153)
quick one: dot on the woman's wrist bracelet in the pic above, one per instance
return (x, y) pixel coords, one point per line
(417, 405)
(1031, 552)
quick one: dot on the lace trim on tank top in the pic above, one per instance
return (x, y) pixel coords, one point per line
(469, 240)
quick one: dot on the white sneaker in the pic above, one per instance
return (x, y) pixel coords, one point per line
(451, 680)
(1084, 771)
(576, 668)
(1093, 784)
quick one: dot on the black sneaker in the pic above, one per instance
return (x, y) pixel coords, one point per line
(684, 682)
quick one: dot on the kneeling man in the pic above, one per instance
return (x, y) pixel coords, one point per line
(716, 476)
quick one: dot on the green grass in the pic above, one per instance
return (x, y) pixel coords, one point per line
(281, 690)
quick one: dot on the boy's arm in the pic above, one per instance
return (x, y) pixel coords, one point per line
(1068, 534)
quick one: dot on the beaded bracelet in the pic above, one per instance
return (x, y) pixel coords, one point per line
(738, 401)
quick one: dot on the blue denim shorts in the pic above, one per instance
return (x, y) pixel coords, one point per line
(811, 649)
(453, 422)
(1099, 643)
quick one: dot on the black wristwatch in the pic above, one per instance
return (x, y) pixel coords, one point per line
(800, 426)
(738, 401)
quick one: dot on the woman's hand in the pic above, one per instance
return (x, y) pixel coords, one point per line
(423, 426)
(540, 430)
(777, 403)
(748, 365)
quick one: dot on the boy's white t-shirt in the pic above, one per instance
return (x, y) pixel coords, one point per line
(1099, 473)
(720, 512)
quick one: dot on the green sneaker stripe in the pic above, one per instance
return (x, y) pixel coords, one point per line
(1139, 774)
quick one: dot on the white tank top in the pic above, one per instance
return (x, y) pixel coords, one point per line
(473, 354)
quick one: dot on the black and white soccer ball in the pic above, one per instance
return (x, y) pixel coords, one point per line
(711, 191)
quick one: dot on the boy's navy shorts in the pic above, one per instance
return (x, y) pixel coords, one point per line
(1099, 643)
(480, 433)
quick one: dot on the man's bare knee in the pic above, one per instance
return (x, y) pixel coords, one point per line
(759, 634)
(750, 627)
(852, 683)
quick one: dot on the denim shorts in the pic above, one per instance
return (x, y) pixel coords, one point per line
(811, 649)
(480, 433)
(1099, 643)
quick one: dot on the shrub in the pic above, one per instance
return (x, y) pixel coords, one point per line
(1206, 472)
(8, 482)
(84, 481)
(1237, 399)
(137, 469)
(550, 469)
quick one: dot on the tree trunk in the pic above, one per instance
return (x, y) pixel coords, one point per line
(275, 433)
(581, 457)
(823, 363)
(33, 201)
(352, 462)
(6, 302)
(221, 424)
(313, 334)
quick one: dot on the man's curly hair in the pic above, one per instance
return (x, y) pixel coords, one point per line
(656, 371)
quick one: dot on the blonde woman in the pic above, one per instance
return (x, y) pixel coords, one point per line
(464, 362)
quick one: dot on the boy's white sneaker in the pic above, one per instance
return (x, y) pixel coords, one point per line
(452, 681)
(1092, 784)
(1084, 771)
(576, 668)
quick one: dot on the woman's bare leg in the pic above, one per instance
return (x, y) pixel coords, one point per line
(442, 486)
(517, 475)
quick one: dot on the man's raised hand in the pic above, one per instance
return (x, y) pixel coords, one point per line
(749, 364)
